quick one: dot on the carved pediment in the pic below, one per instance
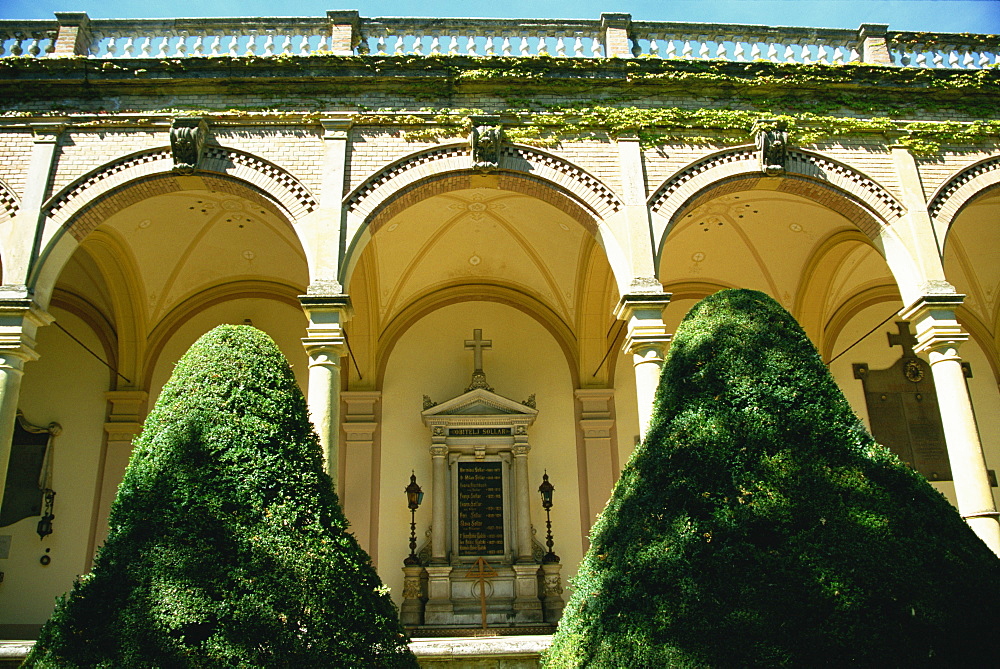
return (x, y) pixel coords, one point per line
(479, 402)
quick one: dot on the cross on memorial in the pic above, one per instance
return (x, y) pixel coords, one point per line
(481, 571)
(904, 339)
(477, 344)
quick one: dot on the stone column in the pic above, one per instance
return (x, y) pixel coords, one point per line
(552, 592)
(326, 343)
(19, 320)
(647, 341)
(939, 336)
(126, 412)
(439, 609)
(361, 478)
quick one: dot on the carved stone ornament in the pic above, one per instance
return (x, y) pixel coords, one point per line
(486, 141)
(187, 143)
(772, 146)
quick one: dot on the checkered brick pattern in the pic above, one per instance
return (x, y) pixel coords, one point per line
(401, 168)
(8, 201)
(742, 163)
(271, 178)
(582, 184)
(99, 182)
(963, 187)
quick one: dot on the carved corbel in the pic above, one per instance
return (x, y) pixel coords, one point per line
(772, 145)
(187, 143)
(486, 140)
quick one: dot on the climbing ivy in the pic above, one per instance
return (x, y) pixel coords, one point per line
(707, 102)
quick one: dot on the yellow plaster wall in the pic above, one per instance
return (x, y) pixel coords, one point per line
(66, 385)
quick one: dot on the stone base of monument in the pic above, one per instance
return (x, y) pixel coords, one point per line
(481, 652)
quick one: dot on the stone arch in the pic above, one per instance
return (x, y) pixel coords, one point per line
(486, 292)
(958, 191)
(89, 200)
(521, 169)
(844, 189)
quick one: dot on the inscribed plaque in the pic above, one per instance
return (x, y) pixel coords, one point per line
(480, 508)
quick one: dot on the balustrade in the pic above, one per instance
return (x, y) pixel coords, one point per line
(302, 36)
(944, 50)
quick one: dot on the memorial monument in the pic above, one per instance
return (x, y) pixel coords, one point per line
(482, 566)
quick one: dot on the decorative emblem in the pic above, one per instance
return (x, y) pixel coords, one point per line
(187, 143)
(486, 139)
(772, 145)
(913, 371)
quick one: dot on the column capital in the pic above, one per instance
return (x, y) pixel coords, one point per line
(933, 317)
(19, 318)
(646, 331)
(327, 316)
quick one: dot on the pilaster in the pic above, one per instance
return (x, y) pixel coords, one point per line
(552, 600)
(126, 412)
(595, 411)
(22, 237)
(361, 471)
(636, 214)
(939, 335)
(646, 340)
(325, 343)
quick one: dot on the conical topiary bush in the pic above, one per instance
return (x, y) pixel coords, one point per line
(760, 525)
(227, 547)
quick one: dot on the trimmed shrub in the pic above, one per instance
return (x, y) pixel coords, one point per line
(760, 525)
(227, 547)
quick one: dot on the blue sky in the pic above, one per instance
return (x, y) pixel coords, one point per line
(981, 16)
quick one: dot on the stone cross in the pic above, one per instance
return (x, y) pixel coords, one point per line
(905, 339)
(477, 344)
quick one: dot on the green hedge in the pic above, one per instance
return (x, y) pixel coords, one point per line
(227, 547)
(760, 525)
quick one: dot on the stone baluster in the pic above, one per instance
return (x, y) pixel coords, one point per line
(164, 45)
(35, 48)
(952, 56)
(3, 41)
(435, 42)
(939, 335)
(687, 53)
(269, 44)
(525, 46)
(720, 48)
(491, 45)
(251, 46)
(470, 46)
(671, 49)
(129, 50)
(199, 45)
(703, 51)
(182, 37)
(543, 44)
(560, 46)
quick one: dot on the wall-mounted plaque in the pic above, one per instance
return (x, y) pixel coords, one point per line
(903, 410)
(480, 508)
